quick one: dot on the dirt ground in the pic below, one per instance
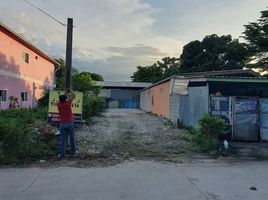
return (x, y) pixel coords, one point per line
(133, 134)
(128, 134)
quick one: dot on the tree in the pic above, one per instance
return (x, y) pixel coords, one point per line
(213, 53)
(60, 74)
(81, 81)
(170, 66)
(156, 72)
(96, 77)
(256, 34)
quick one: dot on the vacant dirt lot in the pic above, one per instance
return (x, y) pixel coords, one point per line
(126, 134)
(133, 134)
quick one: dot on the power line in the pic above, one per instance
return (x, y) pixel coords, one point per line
(45, 13)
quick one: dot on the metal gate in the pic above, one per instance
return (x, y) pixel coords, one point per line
(222, 106)
(246, 119)
(264, 119)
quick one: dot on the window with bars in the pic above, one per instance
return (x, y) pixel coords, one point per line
(24, 96)
(3, 95)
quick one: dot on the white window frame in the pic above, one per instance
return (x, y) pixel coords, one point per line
(22, 96)
(25, 57)
(5, 99)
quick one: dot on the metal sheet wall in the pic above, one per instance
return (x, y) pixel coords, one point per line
(264, 118)
(184, 112)
(123, 94)
(113, 104)
(145, 100)
(246, 119)
(174, 107)
(193, 106)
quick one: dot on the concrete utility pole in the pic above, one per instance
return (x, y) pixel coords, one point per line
(68, 59)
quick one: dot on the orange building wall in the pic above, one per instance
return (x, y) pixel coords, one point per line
(159, 99)
(17, 76)
(38, 68)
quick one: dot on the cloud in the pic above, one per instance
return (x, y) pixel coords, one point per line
(47, 42)
(122, 63)
(191, 19)
(24, 19)
(139, 51)
(112, 37)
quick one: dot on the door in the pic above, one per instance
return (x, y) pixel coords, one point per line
(264, 119)
(246, 119)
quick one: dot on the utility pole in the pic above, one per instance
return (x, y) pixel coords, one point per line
(68, 59)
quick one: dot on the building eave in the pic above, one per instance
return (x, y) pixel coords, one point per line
(27, 43)
(239, 79)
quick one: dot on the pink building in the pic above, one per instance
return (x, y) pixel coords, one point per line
(25, 71)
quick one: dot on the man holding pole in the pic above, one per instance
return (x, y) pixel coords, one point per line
(66, 122)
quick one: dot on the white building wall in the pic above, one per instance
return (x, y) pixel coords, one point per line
(145, 100)
(174, 107)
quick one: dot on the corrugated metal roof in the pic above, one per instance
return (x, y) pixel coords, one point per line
(233, 72)
(238, 79)
(180, 86)
(122, 84)
(202, 76)
(159, 82)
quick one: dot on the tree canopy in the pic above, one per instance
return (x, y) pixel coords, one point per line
(81, 81)
(256, 34)
(156, 72)
(213, 53)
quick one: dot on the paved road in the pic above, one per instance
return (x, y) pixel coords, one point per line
(139, 180)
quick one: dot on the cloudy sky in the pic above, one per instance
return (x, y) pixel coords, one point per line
(112, 37)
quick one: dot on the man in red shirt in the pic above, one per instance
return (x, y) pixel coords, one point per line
(66, 122)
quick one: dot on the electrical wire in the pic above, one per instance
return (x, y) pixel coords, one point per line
(44, 13)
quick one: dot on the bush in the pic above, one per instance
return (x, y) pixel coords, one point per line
(92, 106)
(44, 100)
(206, 135)
(18, 143)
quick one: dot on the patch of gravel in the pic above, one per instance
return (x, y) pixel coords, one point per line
(127, 134)
(122, 134)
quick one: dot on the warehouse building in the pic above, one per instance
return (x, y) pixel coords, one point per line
(121, 94)
(239, 97)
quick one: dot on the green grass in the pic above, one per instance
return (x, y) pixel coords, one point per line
(18, 142)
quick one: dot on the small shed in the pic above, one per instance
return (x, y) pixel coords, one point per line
(240, 97)
(121, 94)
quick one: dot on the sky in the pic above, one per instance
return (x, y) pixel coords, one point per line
(113, 37)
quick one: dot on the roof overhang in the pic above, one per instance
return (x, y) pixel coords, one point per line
(26, 43)
(240, 79)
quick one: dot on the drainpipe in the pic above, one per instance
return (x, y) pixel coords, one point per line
(54, 78)
(33, 98)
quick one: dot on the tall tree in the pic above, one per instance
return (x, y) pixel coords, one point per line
(158, 71)
(213, 53)
(256, 34)
(170, 66)
(96, 77)
(81, 81)
(150, 74)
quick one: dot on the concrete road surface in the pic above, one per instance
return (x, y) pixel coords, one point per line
(139, 180)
